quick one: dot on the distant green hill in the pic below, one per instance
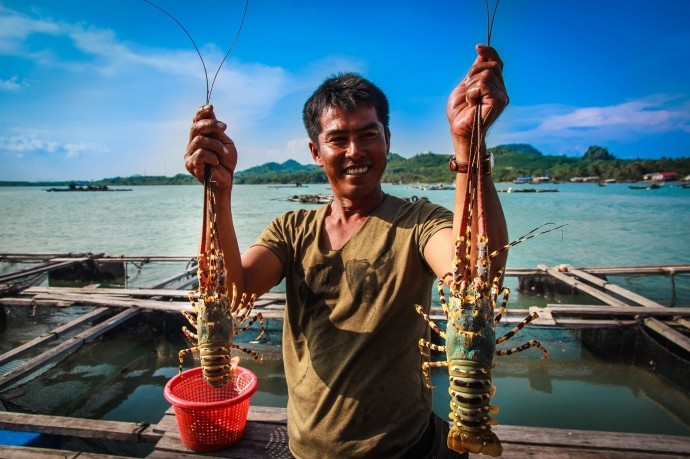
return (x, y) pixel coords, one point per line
(288, 172)
(511, 161)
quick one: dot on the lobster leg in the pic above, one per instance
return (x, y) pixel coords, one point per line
(426, 366)
(185, 352)
(255, 355)
(431, 323)
(258, 317)
(529, 344)
(190, 318)
(192, 337)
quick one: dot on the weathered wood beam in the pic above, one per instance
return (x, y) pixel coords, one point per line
(78, 427)
(618, 290)
(37, 270)
(669, 333)
(585, 288)
(594, 310)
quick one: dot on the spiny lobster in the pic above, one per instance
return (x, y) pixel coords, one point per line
(470, 335)
(217, 318)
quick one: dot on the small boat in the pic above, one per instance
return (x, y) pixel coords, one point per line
(528, 190)
(651, 186)
(311, 198)
(74, 187)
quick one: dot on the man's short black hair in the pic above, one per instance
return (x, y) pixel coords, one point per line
(346, 91)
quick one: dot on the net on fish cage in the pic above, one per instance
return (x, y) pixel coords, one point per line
(665, 358)
(103, 379)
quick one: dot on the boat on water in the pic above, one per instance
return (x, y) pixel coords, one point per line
(438, 187)
(650, 186)
(75, 187)
(528, 190)
(311, 198)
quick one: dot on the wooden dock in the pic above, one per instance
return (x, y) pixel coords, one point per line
(266, 437)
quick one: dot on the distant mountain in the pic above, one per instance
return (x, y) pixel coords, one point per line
(511, 161)
(288, 172)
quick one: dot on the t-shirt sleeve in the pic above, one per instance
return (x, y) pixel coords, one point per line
(433, 219)
(273, 238)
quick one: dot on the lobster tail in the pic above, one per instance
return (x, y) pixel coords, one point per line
(481, 442)
(217, 365)
(471, 391)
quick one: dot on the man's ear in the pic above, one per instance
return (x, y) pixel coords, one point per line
(314, 150)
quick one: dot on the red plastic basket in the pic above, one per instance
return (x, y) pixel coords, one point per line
(210, 418)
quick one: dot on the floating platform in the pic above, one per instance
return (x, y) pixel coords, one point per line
(266, 436)
(620, 311)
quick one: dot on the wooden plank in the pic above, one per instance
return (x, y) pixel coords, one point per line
(174, 307)
(257, 441)
(519, 451)
(593, 323)
(637, 270)
(615, 441)
(131, 258)
(669, 333)
(65, 348)
(116, 301)
(618, 290)
(683, 322)
(126, 292)
(266, 414)
(31, 302)
(26, 452)
(598, 294)
(558, 322)
(135, 292)
(37, 270)
(78, 427)
(544, 316)
(52, 335)
(518, 442)
(596, 310)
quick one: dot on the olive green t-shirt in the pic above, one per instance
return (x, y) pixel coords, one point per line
(352, 362)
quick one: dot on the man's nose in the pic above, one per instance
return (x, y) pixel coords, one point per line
(354, 149)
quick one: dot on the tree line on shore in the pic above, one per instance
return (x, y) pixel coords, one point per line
(511, 161)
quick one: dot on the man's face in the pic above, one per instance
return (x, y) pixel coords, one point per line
(352, 149)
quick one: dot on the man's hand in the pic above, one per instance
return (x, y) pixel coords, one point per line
(209, 145)
(483, 82)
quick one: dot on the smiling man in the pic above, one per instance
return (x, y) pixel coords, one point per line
(356, 268)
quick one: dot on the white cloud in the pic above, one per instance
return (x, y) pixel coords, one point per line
(647, 113)
(16, 27)
(24, 144)
(623, 123)
(13, 84)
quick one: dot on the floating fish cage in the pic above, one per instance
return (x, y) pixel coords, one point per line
(125, 349)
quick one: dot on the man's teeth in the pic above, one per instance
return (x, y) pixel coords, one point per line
(356, 170)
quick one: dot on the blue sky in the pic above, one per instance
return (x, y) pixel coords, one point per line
(96, 89)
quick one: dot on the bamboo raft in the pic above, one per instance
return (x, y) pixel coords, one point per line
(266, 435)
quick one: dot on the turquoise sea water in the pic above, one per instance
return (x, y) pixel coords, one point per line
(606, 226)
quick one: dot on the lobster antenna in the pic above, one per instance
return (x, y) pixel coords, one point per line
(203, 64)
(490, 21)
(239, 30)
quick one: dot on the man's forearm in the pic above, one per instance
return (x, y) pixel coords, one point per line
(497, 231)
